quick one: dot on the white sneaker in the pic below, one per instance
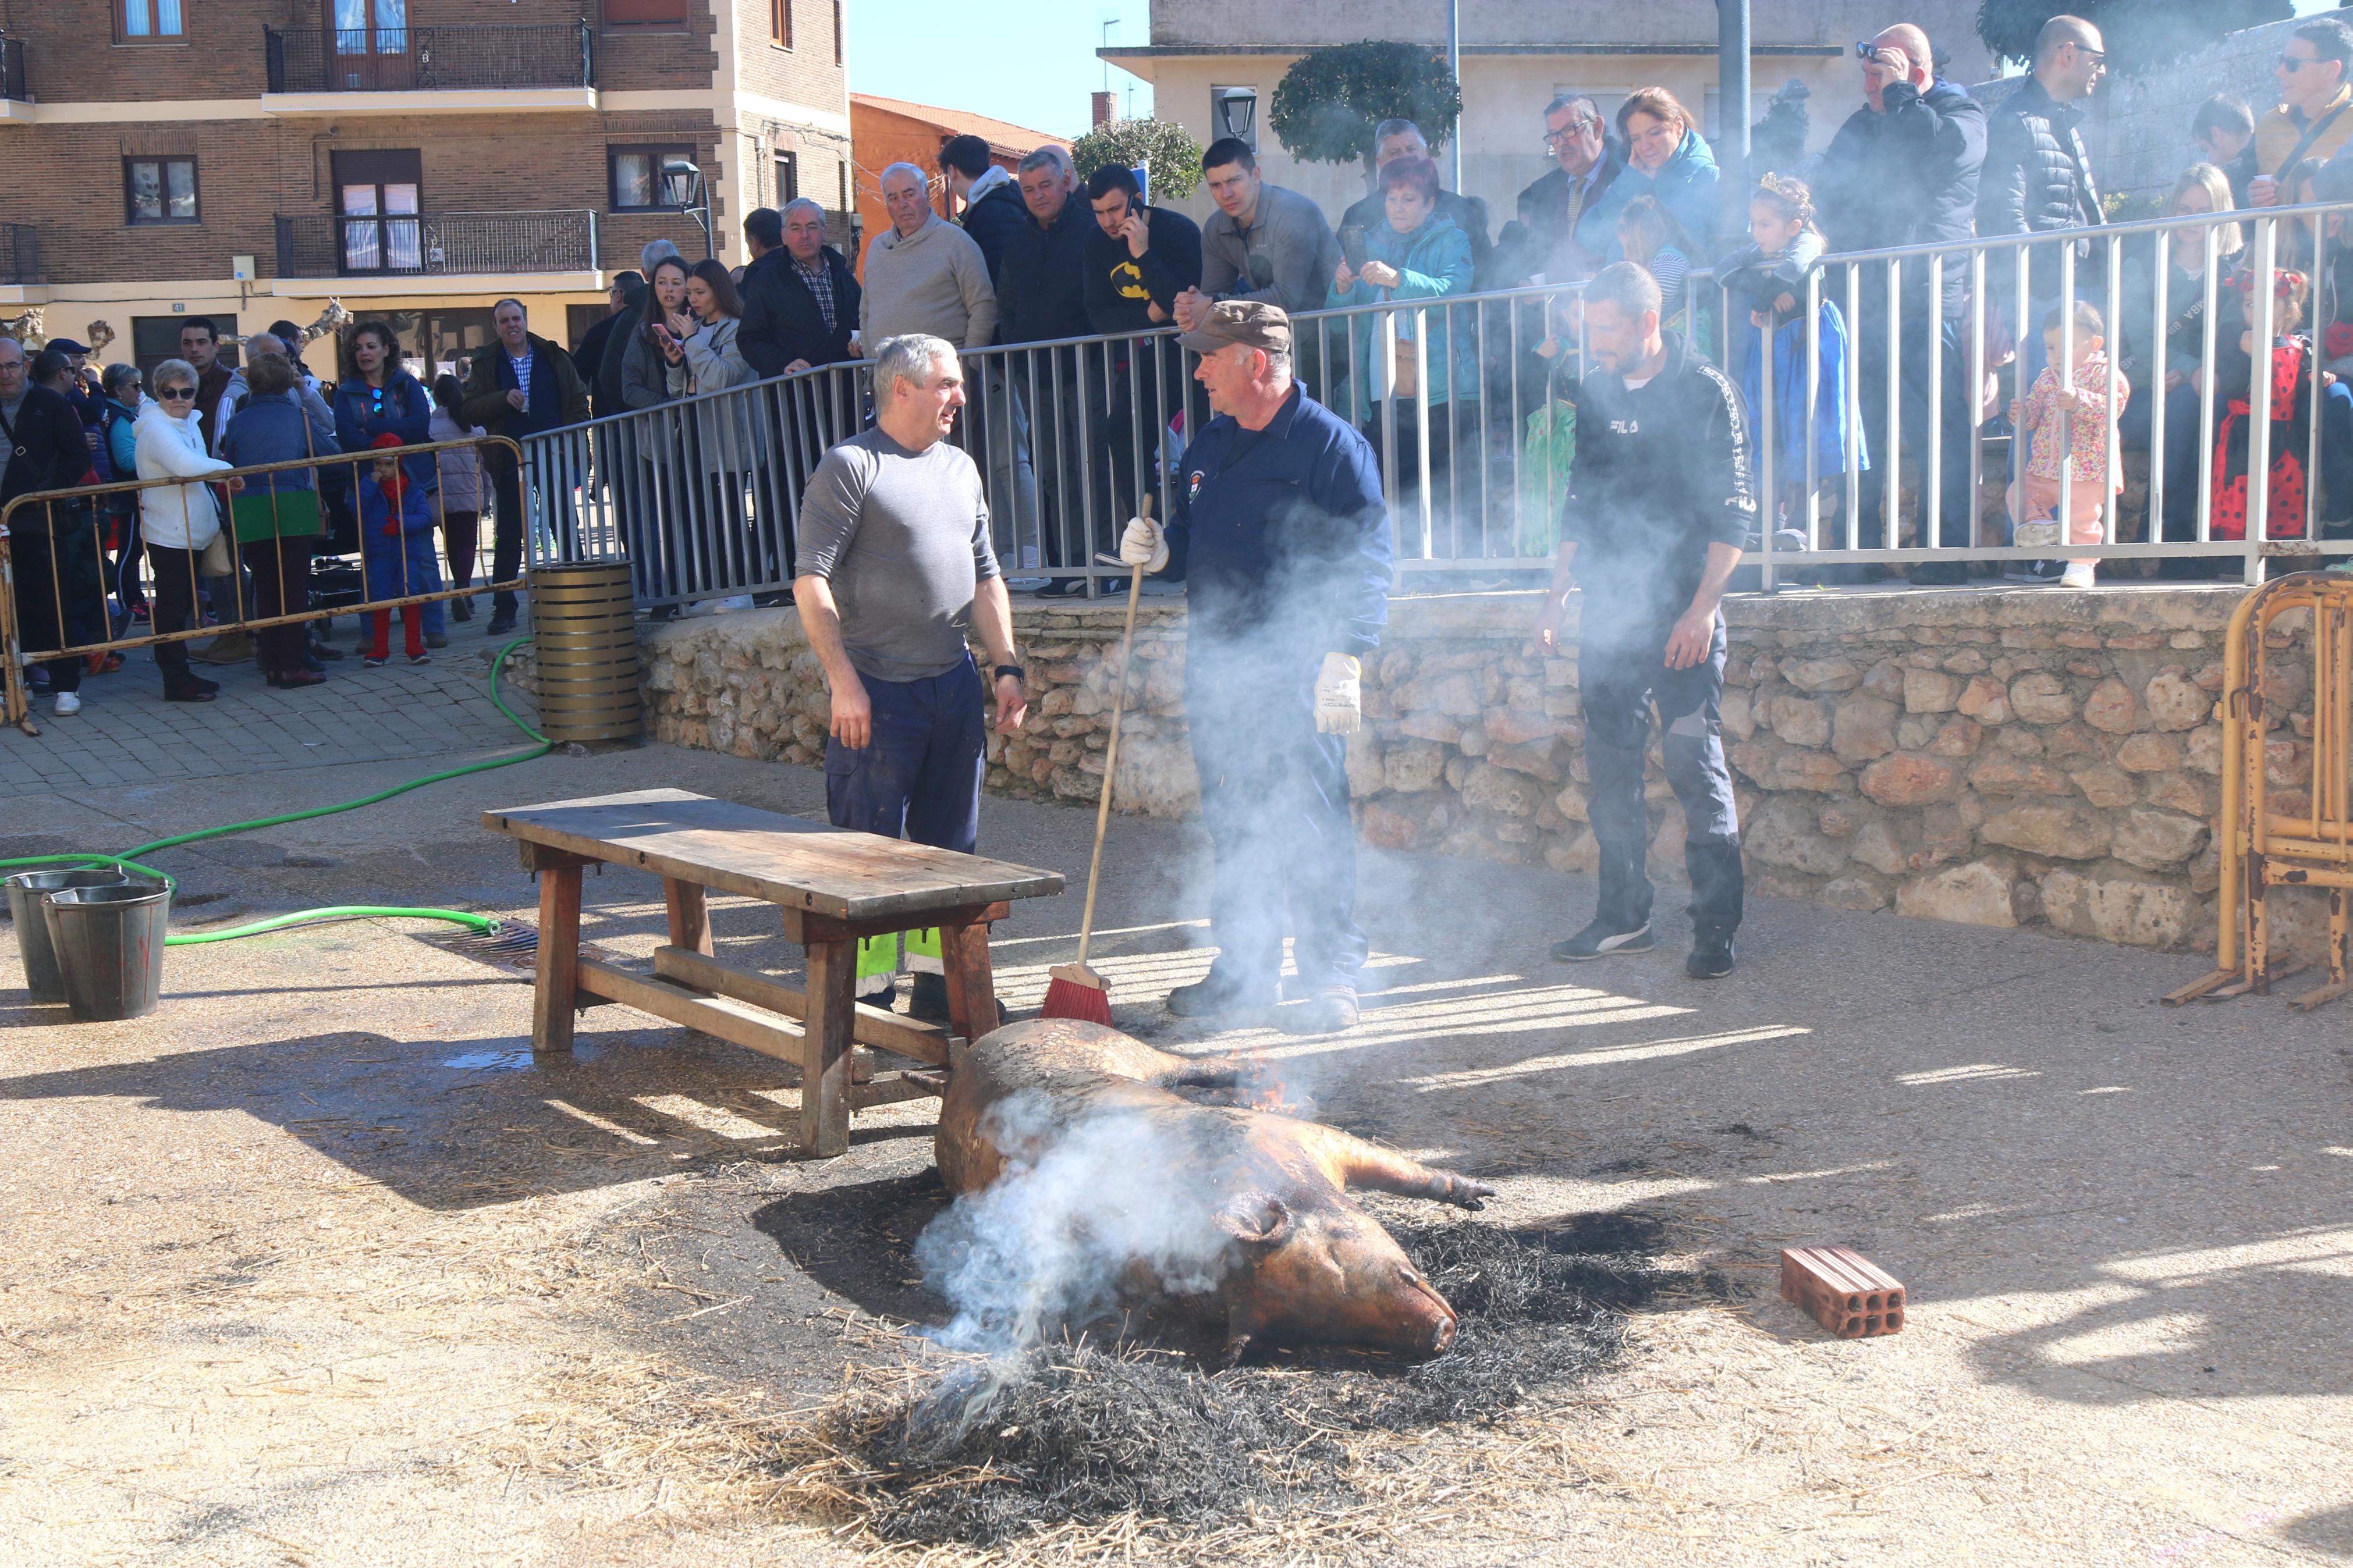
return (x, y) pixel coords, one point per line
(2079, 575)
(730, 602)
(66, 706)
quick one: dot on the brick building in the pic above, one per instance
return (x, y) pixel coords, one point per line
(888, 130)
(251, 160)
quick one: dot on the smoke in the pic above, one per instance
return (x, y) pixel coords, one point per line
(1086, 1211)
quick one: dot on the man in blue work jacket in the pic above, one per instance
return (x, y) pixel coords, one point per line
(1279, 502)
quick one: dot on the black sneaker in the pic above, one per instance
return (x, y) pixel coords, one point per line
(1711, 957)
(1212, 998)
(1602, 940)
(501, 623)
(1331, 1010)
(928, 998)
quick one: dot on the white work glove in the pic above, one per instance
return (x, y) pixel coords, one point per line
(1144, 544)
(1339, 699)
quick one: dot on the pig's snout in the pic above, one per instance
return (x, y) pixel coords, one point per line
(1442, 1335)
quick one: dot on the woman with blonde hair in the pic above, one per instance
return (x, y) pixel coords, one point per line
(179, 522)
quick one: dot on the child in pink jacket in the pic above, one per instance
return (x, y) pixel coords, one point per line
(2070, 428)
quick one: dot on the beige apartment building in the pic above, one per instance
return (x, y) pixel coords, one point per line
(253, 160)
(1214, 64)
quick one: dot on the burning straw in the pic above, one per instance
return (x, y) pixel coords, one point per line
(1129, 1436)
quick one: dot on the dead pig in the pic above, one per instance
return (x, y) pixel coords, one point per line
(1265, 1195)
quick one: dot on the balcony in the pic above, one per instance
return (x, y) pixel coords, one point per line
(434, 253)
(15, 94)
(430, 70)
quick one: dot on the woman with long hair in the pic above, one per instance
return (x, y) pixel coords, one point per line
(723, 426)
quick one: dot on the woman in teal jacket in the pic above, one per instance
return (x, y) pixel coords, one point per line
(1418, 255)
(1667, 158)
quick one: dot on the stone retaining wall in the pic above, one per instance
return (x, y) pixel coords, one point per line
(1997, 757)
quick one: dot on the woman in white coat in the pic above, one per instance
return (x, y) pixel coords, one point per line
(722, 427)
(177, 522)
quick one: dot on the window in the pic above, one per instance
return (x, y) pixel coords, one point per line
(780, 23)
(159, 190)
(376, 193)
(645, 13)
(789, 178)
(836, 31)
(148, 21)
(638, 184)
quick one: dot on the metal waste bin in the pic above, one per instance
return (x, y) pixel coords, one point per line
(584, 637)
(109, 948)
(26, 891)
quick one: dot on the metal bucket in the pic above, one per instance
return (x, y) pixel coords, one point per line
(109, 948)
(27, 892)
(585, 639)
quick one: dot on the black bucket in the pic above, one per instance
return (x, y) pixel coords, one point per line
(27, 892)
(109, 948)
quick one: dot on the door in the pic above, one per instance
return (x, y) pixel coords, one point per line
(370, 51)
(377, 200)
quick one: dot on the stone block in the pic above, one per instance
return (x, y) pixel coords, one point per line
(2175, 702)
(1910, 780)
(2157, 840)
(1739, 716)
(2178, 792)
(1855, 890)
(2062, 832)
(1957, 737)
(1570, 802)
(2148, 753)
(2039, 697)
(2110, 706)
(1885, 680)
(1512, 726)
(2107, 788)
(1823, 675)
(2119, 907)
(2017, 776)
(1367, 774)
(1980, 893)
(1574, 851)
(1387, 825)
(1456, 695)
(1538, 759)
(1862, 728)
(1785, 833)
(1411, 769)
(1430, 725)
(1799, 722)
(1499, 790)
(1844, 816)
(1930, 691)
(1985, 699)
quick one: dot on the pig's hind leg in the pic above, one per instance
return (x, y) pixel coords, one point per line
(1352, 1162)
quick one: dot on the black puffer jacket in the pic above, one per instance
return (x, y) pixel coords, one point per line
(1909, 177)
(1043, 293)
(2038, 177)
(993, 221)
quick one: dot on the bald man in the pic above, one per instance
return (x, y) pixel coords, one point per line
(1904, 170)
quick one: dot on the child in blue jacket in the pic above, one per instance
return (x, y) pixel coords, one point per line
(397, 526)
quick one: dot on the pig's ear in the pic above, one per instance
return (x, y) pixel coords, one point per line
(1256, 1219)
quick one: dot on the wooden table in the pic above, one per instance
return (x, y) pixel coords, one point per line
(832, 888)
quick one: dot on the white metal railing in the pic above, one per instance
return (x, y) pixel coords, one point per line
(702, 492)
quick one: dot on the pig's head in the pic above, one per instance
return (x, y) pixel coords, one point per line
(1328, 1272)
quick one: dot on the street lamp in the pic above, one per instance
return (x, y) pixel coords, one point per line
(683, 183)
(1237, 112)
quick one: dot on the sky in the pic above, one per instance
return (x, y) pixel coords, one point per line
(965, 54)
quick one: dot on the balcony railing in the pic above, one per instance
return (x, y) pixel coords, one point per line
(20, 253)
(13, 83)
(430, 59)
(325, 245)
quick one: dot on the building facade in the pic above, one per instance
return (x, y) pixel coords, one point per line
(254, 160)
(887, 131)
(1210, 61)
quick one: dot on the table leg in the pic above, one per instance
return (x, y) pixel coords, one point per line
(972, 984)
(689, 921)
(825, 1059)
(556, 992)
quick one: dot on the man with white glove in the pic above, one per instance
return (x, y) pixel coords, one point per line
(1279, 518)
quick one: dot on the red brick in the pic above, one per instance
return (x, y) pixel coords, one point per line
(1848, 1294)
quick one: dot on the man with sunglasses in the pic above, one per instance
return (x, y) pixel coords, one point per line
(2313, 121)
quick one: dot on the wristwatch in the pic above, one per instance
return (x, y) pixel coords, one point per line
(1015, 670)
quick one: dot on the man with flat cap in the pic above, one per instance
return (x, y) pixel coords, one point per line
(1287, 578)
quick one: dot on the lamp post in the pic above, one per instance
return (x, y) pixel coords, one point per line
(683, 183)
(1732, 41)
(1454, 69)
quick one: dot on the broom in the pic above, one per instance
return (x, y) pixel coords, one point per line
(1078, 992)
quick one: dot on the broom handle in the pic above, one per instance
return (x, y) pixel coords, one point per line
(1111, 757)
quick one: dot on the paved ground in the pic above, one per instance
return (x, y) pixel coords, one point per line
(317, 1266)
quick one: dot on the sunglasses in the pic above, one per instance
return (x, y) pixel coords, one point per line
(2293, 63)
(176, 393)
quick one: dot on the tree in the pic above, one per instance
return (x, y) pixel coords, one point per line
(1160, 145)
(1330, 100)
(2140, 34)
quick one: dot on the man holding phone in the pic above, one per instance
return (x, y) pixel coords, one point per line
(1139, 258)
(1659, 502)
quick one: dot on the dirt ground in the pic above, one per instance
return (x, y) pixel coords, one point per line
(316, 1265)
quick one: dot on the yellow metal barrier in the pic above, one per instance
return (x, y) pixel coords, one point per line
(2269, 836)
(15, 704)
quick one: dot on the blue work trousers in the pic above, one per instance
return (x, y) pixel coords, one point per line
(918, 776)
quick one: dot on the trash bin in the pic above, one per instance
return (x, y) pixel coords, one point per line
(26, 891)
(109, 948)
(585, 634)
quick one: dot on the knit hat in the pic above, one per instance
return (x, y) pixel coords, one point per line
(386, 439)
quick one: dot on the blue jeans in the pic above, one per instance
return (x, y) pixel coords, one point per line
(918, 776)
(1275, 796)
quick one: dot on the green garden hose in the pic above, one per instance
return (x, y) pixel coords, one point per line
(129, 861)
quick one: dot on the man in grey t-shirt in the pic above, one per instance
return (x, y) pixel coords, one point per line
(896, 572)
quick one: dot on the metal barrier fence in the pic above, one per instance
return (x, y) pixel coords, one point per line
(1469, 401)
(67, 592)
(2272, 835)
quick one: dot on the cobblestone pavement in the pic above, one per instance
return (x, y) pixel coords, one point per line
(127, 734)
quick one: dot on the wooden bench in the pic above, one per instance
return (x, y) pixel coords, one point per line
(832, 886)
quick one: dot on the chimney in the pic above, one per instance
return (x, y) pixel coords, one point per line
(1103, 109)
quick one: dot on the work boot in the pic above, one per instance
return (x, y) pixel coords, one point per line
(1602, 939)
(501, 623)
(229, 648)
(1330, 1011)
(1711, 957)
(1215, 997)
(927, 999)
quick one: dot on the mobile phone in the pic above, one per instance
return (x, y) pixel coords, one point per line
(1352, 245)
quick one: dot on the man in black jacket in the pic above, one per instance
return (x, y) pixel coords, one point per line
(1042, 297)
(800, 299)
(53, 546)
(1904, 170)
(993, 211)
(588, 358)
(1659, 504)
(1139, 258)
